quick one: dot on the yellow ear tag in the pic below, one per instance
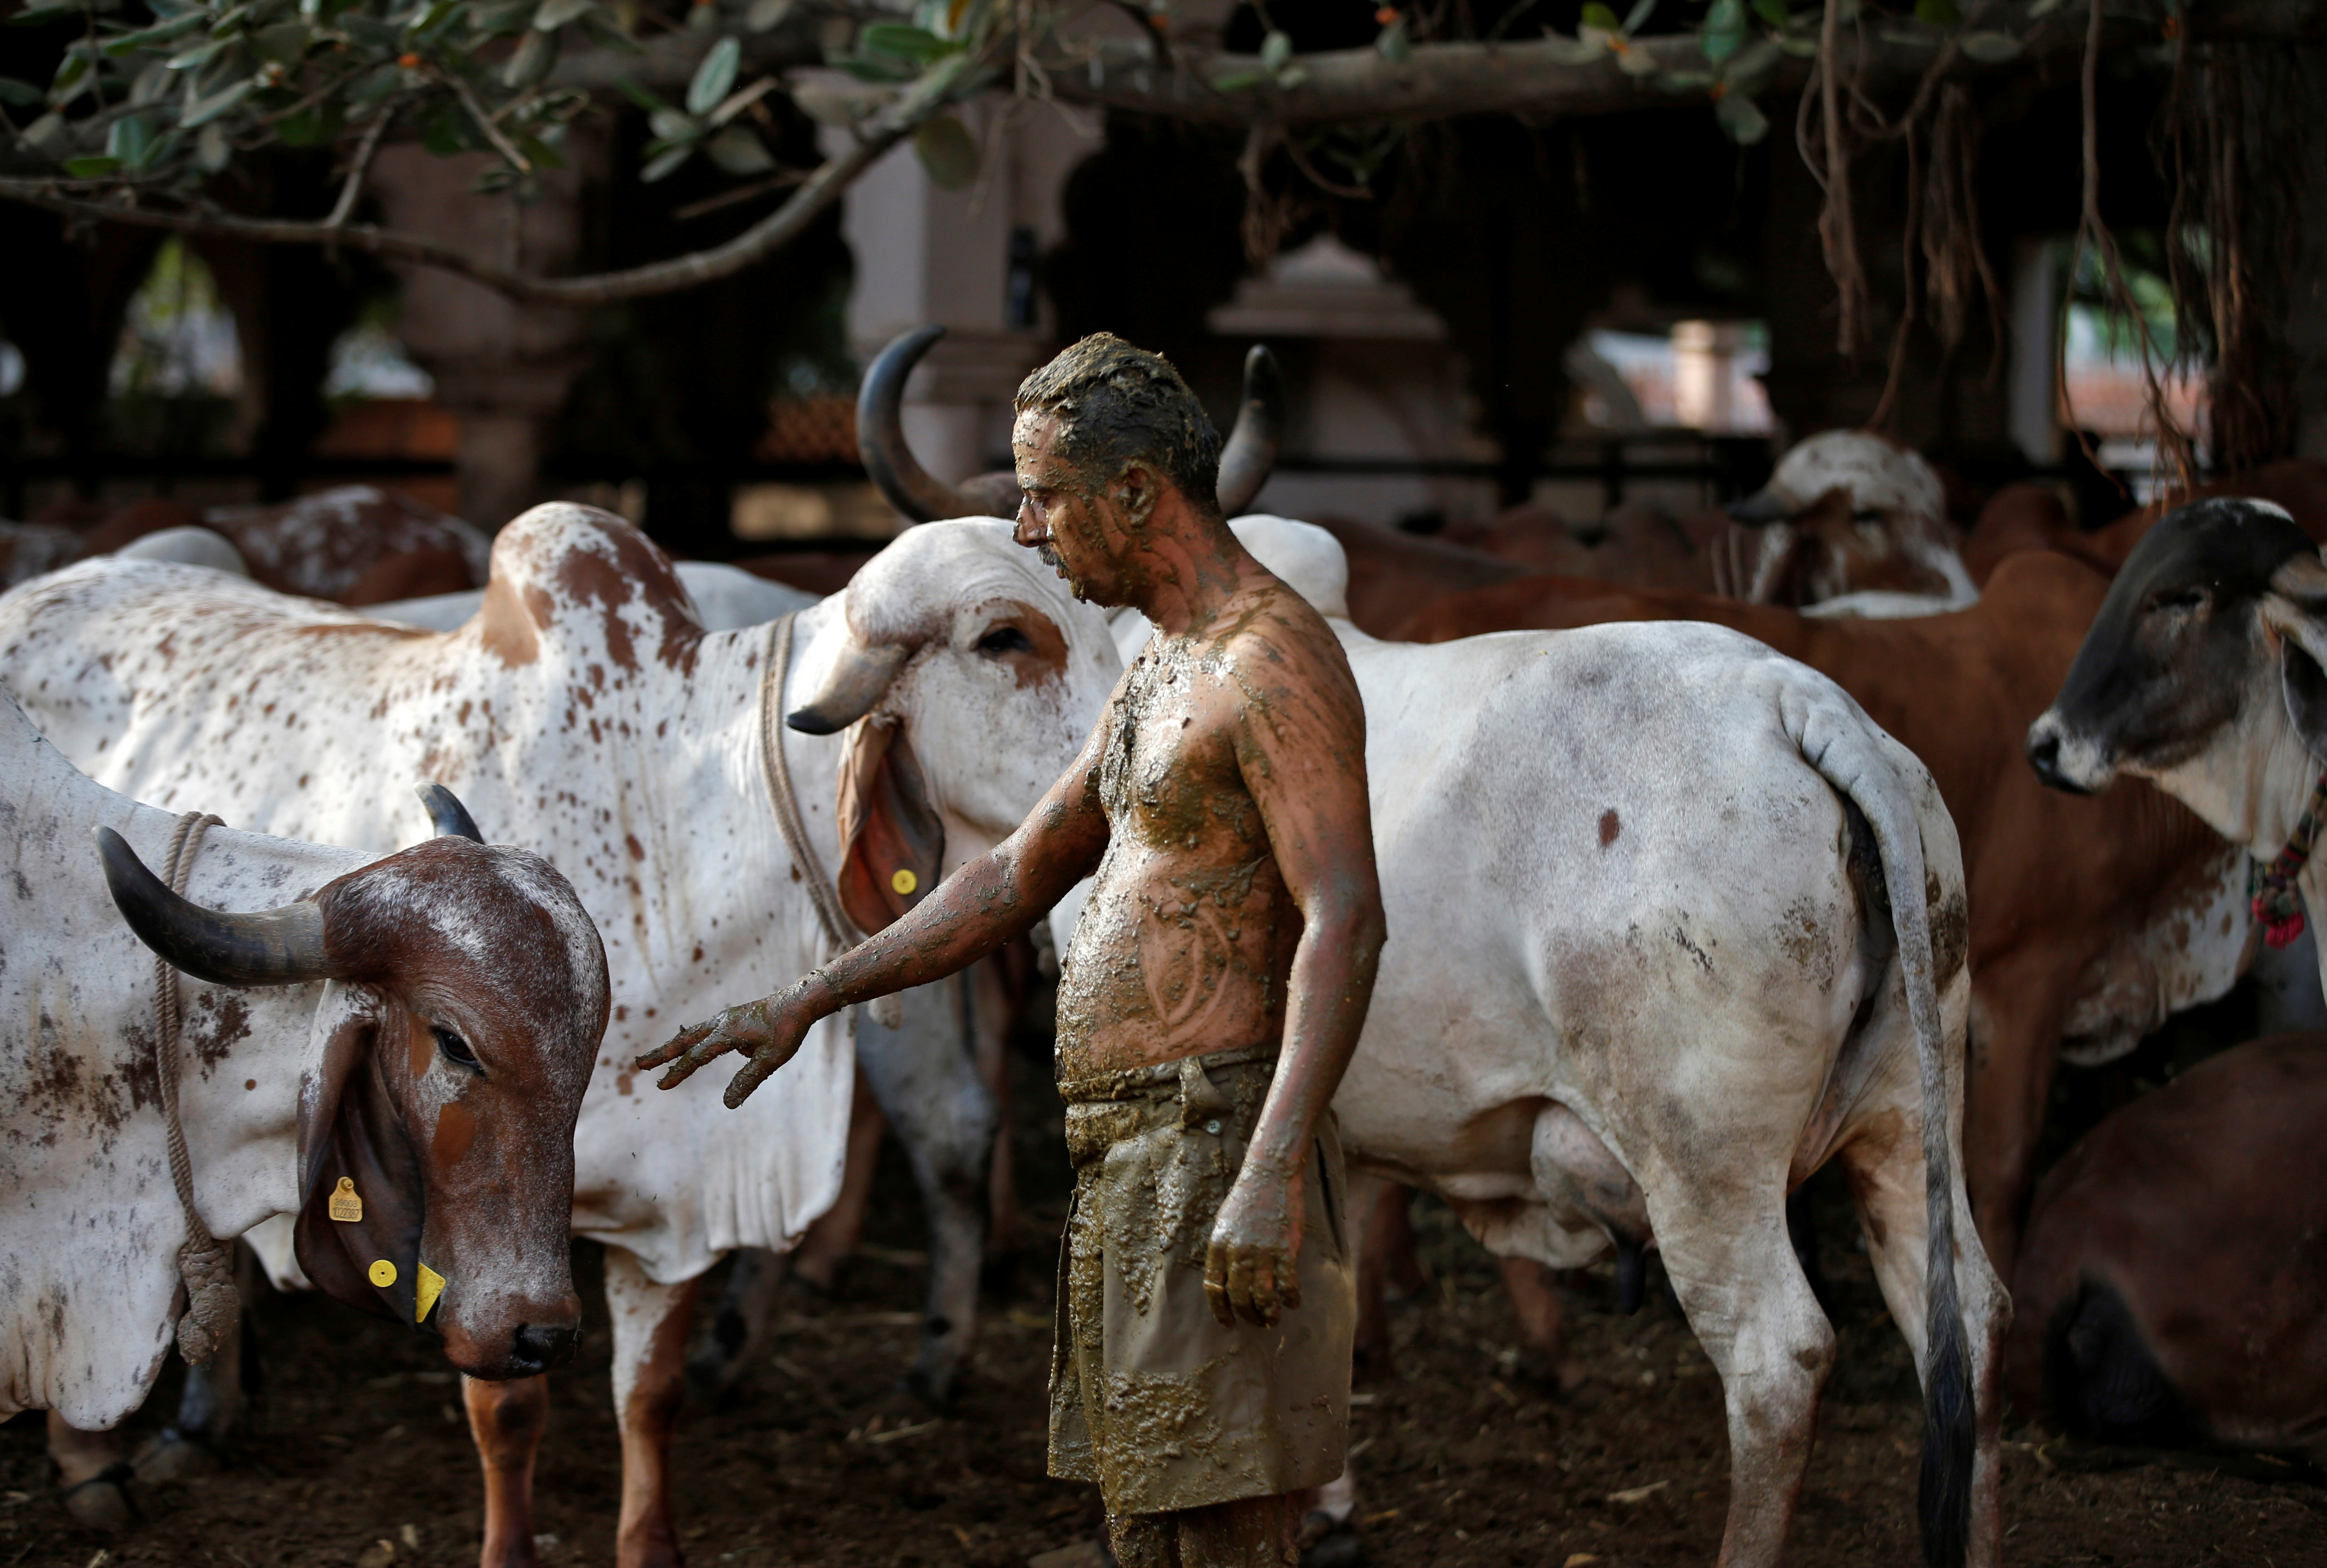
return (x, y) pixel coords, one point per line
(903, 881)
(382, 1272)
(344, 1205)
(432, 1285)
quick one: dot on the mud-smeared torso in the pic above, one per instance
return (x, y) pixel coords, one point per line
(1188, 934)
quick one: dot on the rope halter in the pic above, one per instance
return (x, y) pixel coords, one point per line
(2277, 902)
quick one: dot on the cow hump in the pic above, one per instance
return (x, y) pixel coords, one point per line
(585, 582)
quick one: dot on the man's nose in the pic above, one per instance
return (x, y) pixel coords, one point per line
(1028, 530)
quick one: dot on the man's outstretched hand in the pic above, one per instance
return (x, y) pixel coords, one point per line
(768, 1030)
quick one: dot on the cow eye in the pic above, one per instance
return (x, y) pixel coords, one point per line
(2179, 599)
(1866, 515)
(456, 1050)
(1004, 639)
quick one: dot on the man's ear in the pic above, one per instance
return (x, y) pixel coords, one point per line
(1139, 487)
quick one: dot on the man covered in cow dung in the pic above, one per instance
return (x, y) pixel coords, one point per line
(1216, 988)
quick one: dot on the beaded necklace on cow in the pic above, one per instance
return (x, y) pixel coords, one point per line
(837, 927)
(205, 1263)
(2277, 902)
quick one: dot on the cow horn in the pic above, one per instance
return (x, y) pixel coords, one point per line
(450, 818)
(888, 461)
(1252, 445)
(1766, 505)
(859, 678)
(282, 946)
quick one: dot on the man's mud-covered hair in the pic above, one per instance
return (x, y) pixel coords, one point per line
(1116, 406)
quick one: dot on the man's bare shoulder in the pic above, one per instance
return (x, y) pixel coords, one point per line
(1286, 663)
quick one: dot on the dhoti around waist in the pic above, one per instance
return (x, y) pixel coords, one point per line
(1151, 1397)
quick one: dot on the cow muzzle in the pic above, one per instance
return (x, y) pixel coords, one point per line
(531, 1339)
(2064, 761)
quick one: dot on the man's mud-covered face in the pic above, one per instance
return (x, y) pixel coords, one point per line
(1085, 535)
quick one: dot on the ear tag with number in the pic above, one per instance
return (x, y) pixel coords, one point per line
(432, 1285)
(344, 1204)
(903, 880)
(382, 1272)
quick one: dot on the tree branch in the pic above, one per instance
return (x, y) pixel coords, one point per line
(755, 244)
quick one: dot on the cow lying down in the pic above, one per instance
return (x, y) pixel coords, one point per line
(1673, 924)
(2173, 1288)
(584, 712)
(415, 1031)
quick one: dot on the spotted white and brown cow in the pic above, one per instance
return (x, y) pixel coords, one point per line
(584, 712)
(411, 1031)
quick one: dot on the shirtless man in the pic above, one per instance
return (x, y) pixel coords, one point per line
(1212, 998)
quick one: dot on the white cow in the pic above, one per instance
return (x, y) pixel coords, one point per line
(423, 1028)
(1851, 523)
(585, 713)
(1644, 977)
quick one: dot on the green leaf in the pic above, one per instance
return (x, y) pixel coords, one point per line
(665, 161)
(915, 43)
(1989, 48)
(212, 151)
(1638, 16)
(642, 97)
(530, 60)
(1575, 51)
(1938, 12)
(1596, 15)
(1742, 118)
(714, 77)
(19, 94)
(553, 14)
(766, 15)
(153, 37)
(282, 43)
(202, 111)
(63, 87)
(92, 168)
(201, 54)
(739, 151)
(448, 132)
(948, 151)
(670, 126)
(41, 15)
(1800, 46)
(1393, 44)
(1722, 33)
(1276, 50)
(127, 138)
(1235, 80)
(1772, 12)
(315, 126)
(1750, 69)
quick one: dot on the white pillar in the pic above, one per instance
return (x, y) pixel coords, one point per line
(926, 255)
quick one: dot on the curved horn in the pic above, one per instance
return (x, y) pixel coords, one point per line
(857, 681)
(281, 946)
(447, 814)
(888, 461)
(1251, 449)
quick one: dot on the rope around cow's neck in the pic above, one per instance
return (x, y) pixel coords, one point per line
(205, 1263)
(839, 930)
(2277, 902)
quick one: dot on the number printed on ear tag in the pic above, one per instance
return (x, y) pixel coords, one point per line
(344, 1205)
(382, 1272)
(903, 880)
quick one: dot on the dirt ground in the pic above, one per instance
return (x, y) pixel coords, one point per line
(355, 1452)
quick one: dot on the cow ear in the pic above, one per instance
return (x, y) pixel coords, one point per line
(892, 839)
(361, 1201)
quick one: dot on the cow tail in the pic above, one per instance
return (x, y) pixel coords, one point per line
(1862, 775)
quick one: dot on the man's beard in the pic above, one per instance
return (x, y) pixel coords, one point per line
(1074, 583)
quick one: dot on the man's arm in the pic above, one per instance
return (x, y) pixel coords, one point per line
(1301, 745)
(990, 900)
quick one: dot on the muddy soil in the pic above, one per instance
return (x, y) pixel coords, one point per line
(355, 1451)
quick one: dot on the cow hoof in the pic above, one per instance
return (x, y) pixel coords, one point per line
(173, 1456)
(1328, 1542)
(102, 1501)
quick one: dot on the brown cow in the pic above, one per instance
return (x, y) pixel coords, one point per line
(2172, 1289)
(2091, 920)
